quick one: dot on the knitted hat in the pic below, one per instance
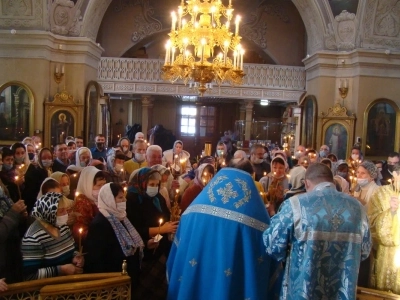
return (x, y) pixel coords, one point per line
(371, 168)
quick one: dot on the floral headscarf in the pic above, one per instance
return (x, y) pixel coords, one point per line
(45, 208)
(138, 185)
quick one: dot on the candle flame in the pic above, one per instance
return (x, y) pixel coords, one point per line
(76, 194)
(80, 230)
(16, 177)
(160, 221)
(177, 191)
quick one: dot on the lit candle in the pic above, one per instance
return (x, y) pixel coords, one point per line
(80, 241)
(76, 193)
(241, 59)
(237, 25)
(16, 182)
(173, 26)
(265, 173)
(159, 225)
(125, 190)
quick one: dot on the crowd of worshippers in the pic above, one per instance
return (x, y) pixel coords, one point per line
(220, 227)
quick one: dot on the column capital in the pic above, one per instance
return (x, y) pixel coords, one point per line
(146, 100)
(249, 104)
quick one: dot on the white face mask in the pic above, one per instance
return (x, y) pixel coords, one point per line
(139, 157)
(119, 167)
(121, 206)
(65, 190)
(62, 220)
(152, 191)
(362, 181)
(355, 156)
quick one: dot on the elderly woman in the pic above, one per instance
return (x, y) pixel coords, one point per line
(177, 157)
(85, 208)
(149, 214)
(48, 249)
(83, 157)
(367, 172)
(112, 238)
(204, 173)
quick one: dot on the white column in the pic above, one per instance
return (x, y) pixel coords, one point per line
(146, 102)
(249, 119)
(296, 111)
(130, 112)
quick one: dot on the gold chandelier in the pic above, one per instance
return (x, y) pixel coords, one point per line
(197, 32)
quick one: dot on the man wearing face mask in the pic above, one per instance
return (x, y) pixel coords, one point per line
(316, 234)
(138, 159)
(61, 162)
(388, 167)
(124, 144)
(261, 167)
(100, 150)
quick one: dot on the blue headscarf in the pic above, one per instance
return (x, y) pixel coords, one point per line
(138, 185)
(218, 251)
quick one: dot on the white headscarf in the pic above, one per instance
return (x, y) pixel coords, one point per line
(85, 183)
(40, 194)
(79, 152)
(106, 203)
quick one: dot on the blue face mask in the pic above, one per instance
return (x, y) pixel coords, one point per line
(220, 152)
(19, 160)
(7, 166)
(322, 153)
(47, 163)
(82, 164)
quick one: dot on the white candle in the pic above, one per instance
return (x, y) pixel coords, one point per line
(62, 69)
(57, 70)
(173, 24)
(237, 25)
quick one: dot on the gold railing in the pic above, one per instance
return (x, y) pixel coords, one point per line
(370, 294)
(85, 286)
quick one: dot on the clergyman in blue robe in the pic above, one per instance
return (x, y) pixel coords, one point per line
(323, 235)
(218, 251)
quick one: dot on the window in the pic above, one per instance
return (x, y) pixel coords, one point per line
(207, 121)
(188, 120)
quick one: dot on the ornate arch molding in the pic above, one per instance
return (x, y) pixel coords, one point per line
(313, 20)
(93, 16)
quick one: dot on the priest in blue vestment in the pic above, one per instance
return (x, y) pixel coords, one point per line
(323, 235)
(218, 251)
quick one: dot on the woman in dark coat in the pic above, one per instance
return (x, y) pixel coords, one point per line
(12, 225)
(111, 238)
(149, 214)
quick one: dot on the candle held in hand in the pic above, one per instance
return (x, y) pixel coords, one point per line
(159, 225)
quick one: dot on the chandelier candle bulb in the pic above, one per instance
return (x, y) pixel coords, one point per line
(237, 25)
(173, 24)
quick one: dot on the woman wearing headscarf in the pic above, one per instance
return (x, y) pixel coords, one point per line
(35, 176)
(177, 157)
(112, 238)
(165, 174)
(149, 214)
(12, 220)
(296, 182)
(85, 208)
(275, 184)
(218, 251)
(204, 173)
(48, 249)
(83, 157)
(366, 174)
